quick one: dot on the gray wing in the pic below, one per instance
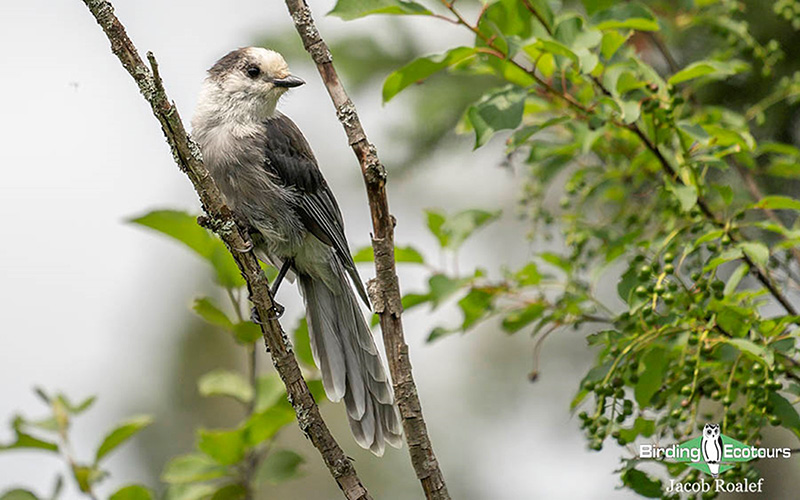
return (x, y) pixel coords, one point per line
(290, 159)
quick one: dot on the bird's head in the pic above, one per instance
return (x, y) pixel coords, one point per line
(252, 77)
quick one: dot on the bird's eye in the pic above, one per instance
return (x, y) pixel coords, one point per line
(253, 71)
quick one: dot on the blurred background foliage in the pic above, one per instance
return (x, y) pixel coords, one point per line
(648, 243)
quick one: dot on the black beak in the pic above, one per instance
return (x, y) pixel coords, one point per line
(288, 82)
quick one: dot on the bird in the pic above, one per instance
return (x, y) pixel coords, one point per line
(270, 178)
(711, 446)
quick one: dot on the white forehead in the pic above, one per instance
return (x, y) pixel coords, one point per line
(269, 61)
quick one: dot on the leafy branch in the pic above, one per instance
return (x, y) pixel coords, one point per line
(643, 160)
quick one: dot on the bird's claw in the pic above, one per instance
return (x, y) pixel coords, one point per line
(277, 309)
(248, 246)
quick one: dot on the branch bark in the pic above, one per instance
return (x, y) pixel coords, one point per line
(384, 289)
(220, 219)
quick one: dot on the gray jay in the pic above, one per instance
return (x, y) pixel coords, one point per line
(270, 178)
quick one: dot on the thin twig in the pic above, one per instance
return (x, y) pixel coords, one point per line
(538, 16)
(384, 289)
(220, 219)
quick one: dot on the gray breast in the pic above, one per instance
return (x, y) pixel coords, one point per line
(235, 158)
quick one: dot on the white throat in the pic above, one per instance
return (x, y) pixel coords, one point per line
(239, 112)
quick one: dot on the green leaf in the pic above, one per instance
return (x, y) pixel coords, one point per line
(778, 203)
(627, 283)
(735, 279)
(302, 344)
(557, 260)
(225, 383)
(436, 221)
(76, 409)
(641, 427)
(442, 287)
(24, 440)
(405, 254)
(454, 230)
(414, 299)
(518, 319)
(184, 228)
(475, 305)
(247, 332)
(364, 254)
(18, 494)
(280, 466)
(226, 447)
(498, 110)
(528, 275)
(758, 252)
(353, 9)
(439, 332)
(595, 374)
(507, 22)
(122, 433)
(132, 492)
(651, 377)
(631, 110)
(87, 477)
(612, 41)
(786, 412)
(627, 82)
(192, 468)
(408, 254)
(269, 391)
(712, 69)
(543, 12)
(686, 195)
(725, 192)
(593, 6)
(230, 492)
(521, 135)
(535, 49)
(263, 425)
(206, 309)
(626, 15)
(733, 320)
(757, 352)
(190, 491)
(726, 256)
(317, 390)
(422, 68)
(641, 483)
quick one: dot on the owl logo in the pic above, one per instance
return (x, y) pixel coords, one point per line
(711, 446)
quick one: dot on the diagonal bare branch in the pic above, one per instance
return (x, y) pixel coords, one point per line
(384, 289)
(220, 219)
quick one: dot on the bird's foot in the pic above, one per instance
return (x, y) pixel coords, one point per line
(277, 309)
(248, 245)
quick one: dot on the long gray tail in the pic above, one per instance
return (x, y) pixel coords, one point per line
(345, 353)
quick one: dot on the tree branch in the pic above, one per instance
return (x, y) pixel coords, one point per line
(384, 289)
(187, 156)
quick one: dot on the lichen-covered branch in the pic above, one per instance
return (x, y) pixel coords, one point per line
(384, 289)
(220, 219)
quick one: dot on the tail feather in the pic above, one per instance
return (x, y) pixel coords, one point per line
(351, 368)
(327, 350)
